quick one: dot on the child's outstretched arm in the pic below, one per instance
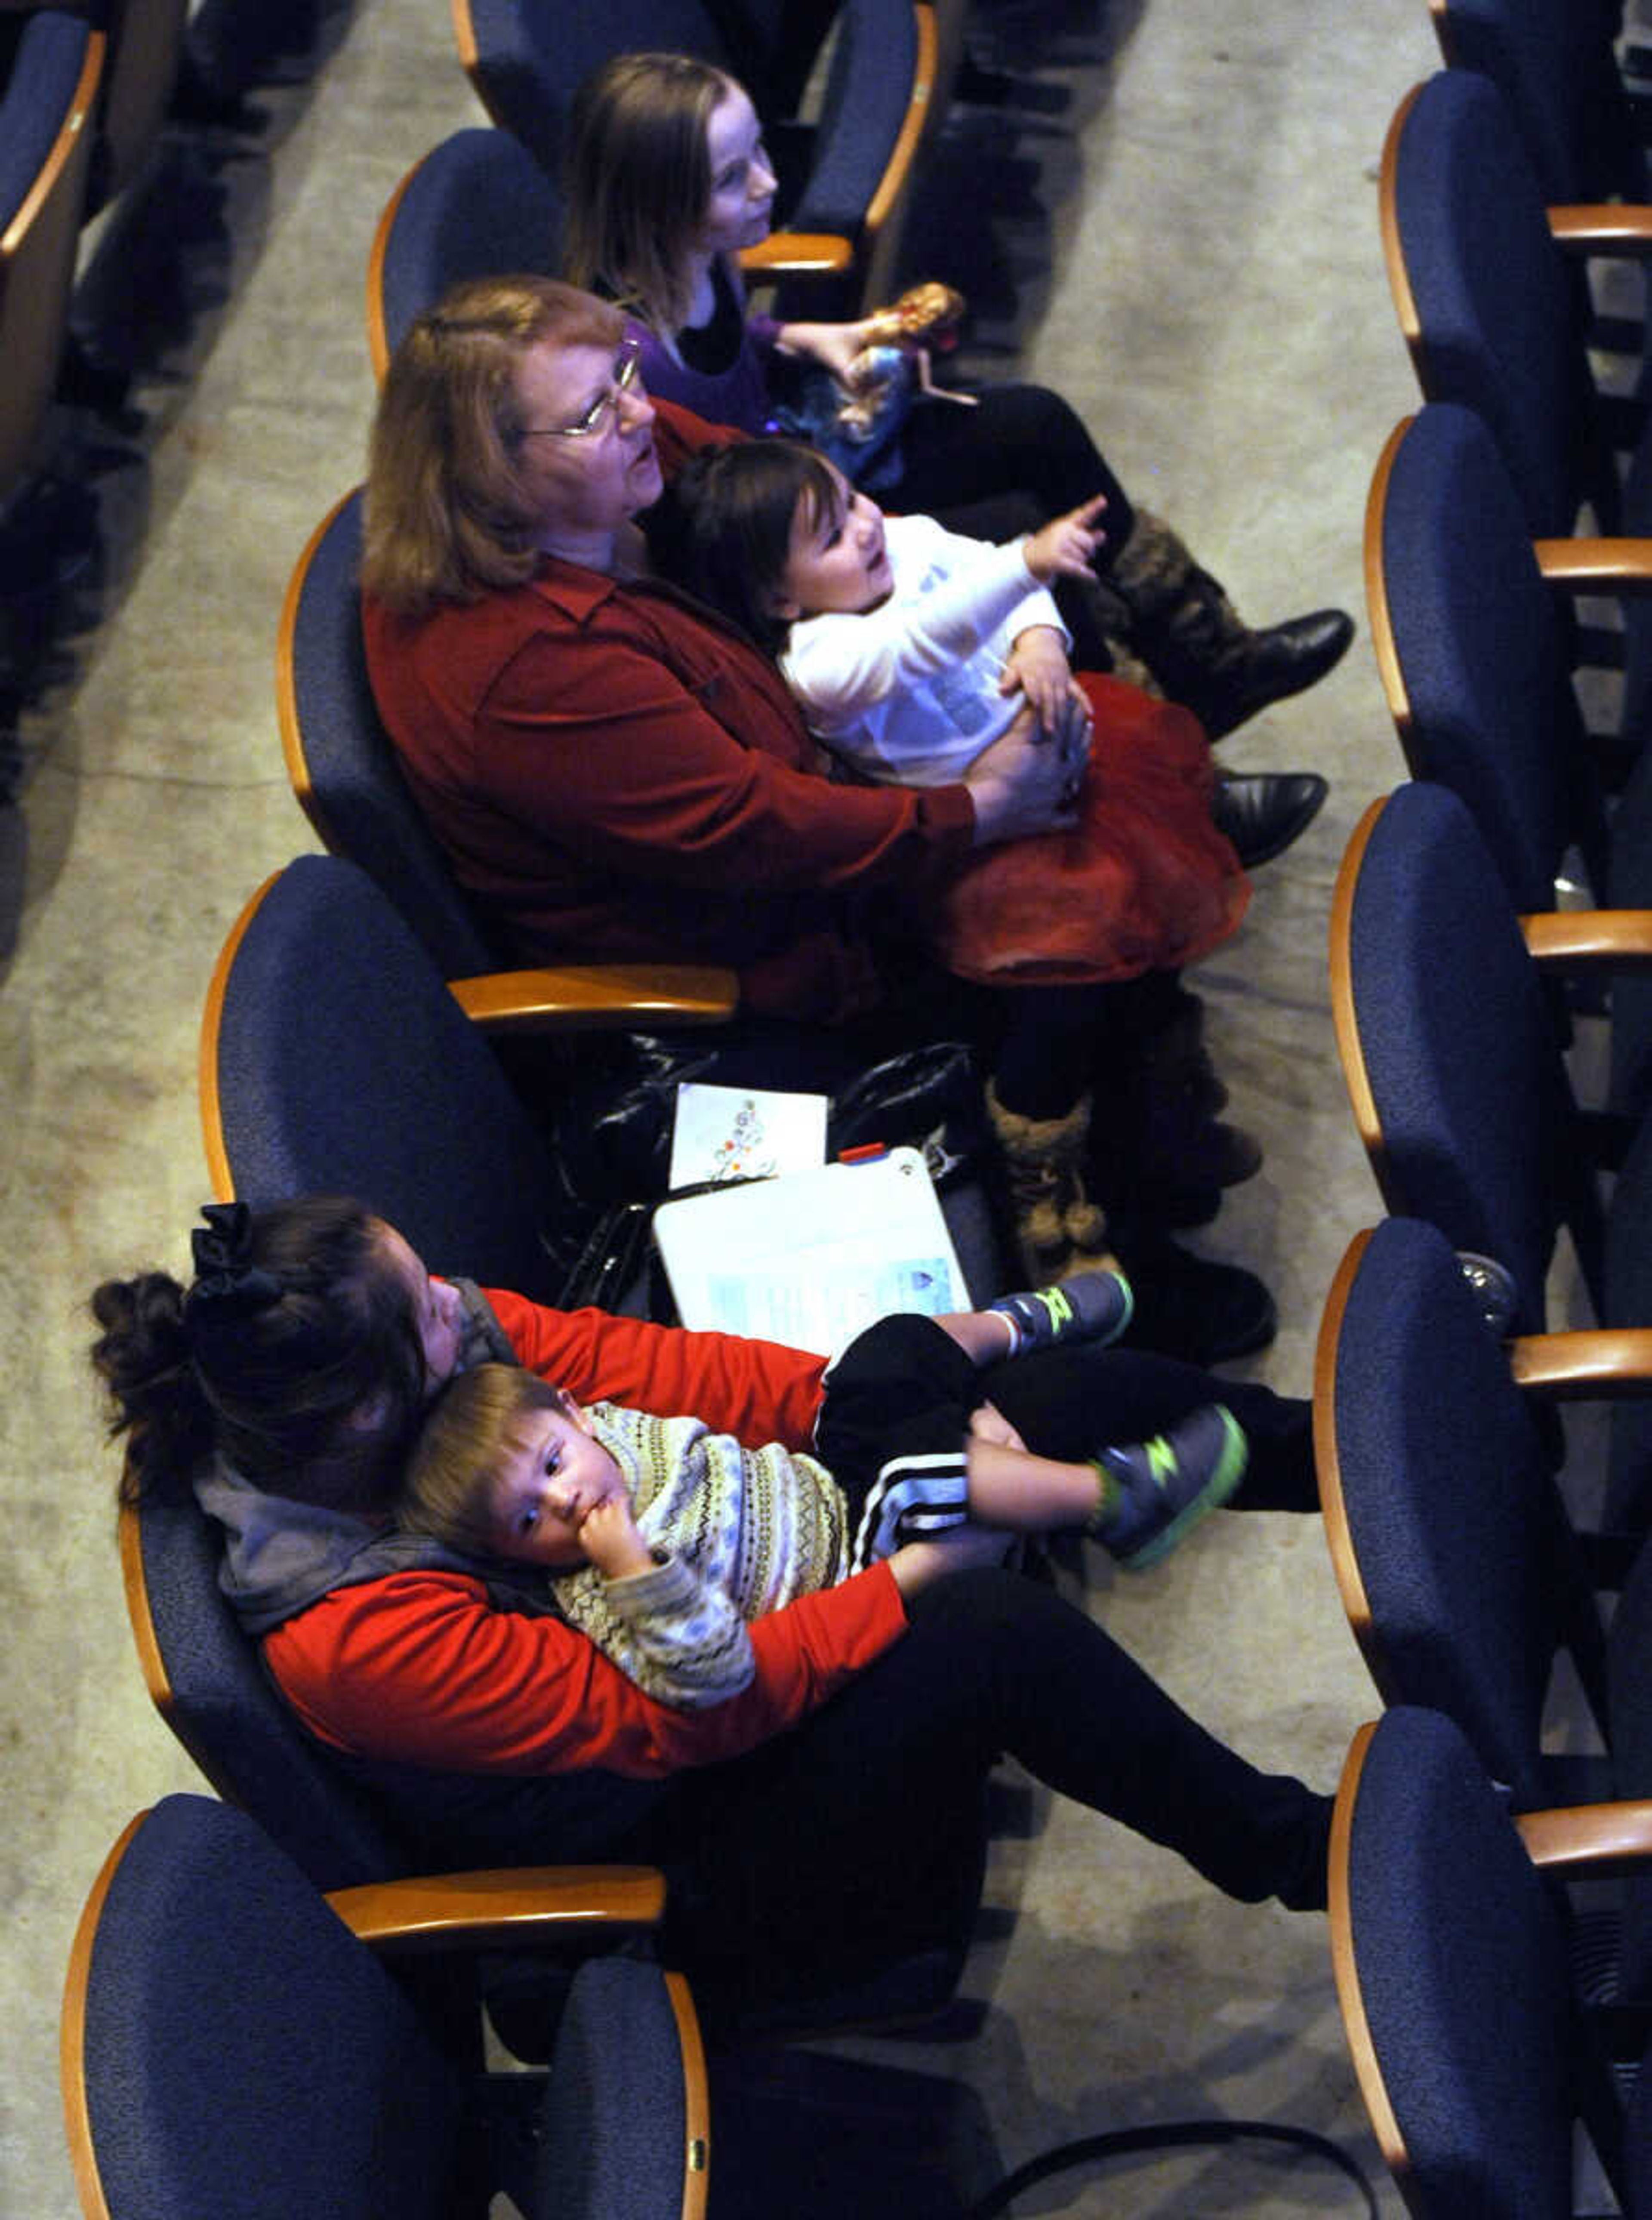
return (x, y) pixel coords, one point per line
(840, 666)
(1036, 664)
(1065, 547)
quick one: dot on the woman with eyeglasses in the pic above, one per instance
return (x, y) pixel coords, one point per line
(617, 773)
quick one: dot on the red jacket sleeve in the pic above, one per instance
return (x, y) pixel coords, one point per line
(757, 1391)
(418, 1669)
(678, 433)
(609, 748)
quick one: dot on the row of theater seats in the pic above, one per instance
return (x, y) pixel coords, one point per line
(83, 96)
(1493, 2007)
(345, 1047)
(335, 1054)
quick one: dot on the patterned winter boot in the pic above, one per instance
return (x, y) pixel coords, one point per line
(1058, 1229)
(1199, 648)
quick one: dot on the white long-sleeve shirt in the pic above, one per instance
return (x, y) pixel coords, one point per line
(908, 691)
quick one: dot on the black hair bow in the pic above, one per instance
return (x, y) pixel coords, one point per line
(225, 1280)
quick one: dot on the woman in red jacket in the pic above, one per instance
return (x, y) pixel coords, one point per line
(817, 1826)
(616, 773)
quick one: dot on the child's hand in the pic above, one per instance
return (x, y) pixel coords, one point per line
(1064, 548)
(1037, 666)
(609, 1538)
(988, 1423)
(836, 346)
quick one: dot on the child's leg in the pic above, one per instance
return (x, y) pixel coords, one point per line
(1137, 1499)
(1091, 1307)
(1064, 1401)
(894, 1430)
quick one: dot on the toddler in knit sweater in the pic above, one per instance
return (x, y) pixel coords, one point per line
(661, 1539)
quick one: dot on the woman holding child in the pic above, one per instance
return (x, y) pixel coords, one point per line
(616, 772)
(825, 1817)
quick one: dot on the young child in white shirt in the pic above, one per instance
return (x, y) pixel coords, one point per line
(910, 649)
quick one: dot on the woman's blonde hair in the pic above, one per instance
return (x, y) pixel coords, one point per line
(445, 517)
(479, 1417)
(638, 181)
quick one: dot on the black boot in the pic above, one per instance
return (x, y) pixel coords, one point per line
(1160, 1152)
(1201, 650)
(1262, 813)
(1190, 1306)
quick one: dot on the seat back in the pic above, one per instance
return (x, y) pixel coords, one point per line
(1484, 297)
(1457, 1569)
(46, 145)
(205, 1680)
(145, 54)
(1555, 66)
(1450, 1961)
(1448, 1045)
(478, 205)
(334, 1059)
(1472, 652)
(1629, 1283)
(227, 2045)
(527, 58)
(874, 112)
(340, 757)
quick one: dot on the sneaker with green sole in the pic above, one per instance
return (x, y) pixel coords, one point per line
(1092, 1306)
(1166, 1485)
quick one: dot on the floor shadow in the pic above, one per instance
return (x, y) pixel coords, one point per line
(159, 270)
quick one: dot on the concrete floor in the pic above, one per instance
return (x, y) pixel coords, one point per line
(1197, 269)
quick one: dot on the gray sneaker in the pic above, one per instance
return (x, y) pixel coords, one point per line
(1092, 1306)
(1168, 1484)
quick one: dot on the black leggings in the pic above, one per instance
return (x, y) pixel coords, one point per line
(1043, 1046)
(855, 1840)
(1004, 468)
(1021, 444)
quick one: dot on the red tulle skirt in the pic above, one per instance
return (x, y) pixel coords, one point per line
(1143, 882)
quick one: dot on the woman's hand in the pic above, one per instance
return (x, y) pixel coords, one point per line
(834, 345)
(1065, 546)
(1037, 665)
(918, 1564)
(1026, 782)
(609, 1536)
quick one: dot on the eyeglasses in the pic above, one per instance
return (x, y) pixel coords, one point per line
(605, 406)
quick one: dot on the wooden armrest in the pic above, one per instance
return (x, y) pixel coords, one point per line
(1604, 1363)
(798, 254)
(1593, 1838)
(583, 997)
(1620, 939)
(1607, 228)
(517, 1905)
(1596, 566)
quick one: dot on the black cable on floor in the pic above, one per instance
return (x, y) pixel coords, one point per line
(1168, 2135)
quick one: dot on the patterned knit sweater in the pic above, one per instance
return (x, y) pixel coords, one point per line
(738, 1533)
